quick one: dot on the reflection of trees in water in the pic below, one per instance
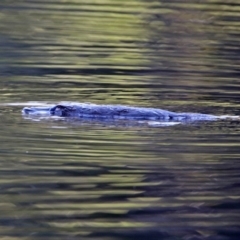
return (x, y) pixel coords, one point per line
(180, 38)
(190, 47)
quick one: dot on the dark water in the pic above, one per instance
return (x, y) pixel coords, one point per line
(93, 180)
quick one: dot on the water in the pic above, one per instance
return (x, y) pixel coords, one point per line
(95, 180)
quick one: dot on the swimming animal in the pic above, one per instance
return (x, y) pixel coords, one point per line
(121, 112)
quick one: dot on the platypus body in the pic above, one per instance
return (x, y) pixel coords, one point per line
(90, 110)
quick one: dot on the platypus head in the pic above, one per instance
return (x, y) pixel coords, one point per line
(61, 111)
(58, 110)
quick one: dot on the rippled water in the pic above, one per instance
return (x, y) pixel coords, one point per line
(61, 179)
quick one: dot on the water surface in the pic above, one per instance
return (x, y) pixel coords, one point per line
(94, 180)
